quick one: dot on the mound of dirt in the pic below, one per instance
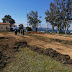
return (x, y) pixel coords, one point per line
(3, 60)
(34, 32)
(58, 56)
(37, 32)
(20, 44)
(37, 49)
(62, 41)
(57, 40)
(3, 38)
(3, 47)
(65, 59)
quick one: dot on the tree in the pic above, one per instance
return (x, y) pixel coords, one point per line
(21, 26)
(60, 14)
(68, 26)
(12, 21)
(63, 13)
(67, 13)
(58, 20)
(33, 19)
(50, 16)
(8, 19)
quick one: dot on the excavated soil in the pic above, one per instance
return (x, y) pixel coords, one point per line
(10, 44)
(8, 47)
(6, 50)
(34, 32)
(65, 59)
(3, 57)
(3, 60)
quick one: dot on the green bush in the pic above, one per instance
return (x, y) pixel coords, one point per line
(11, 29)
(28, 28)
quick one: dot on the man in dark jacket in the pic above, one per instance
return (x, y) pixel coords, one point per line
(23, 31)
(15, 31)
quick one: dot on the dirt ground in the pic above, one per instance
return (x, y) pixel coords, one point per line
(8, 40)
(62, 48)
(56, 36)
(59, 47)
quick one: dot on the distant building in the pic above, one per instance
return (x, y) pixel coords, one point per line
(6, 26)
(14, 25)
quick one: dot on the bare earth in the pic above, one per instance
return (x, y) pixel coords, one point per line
(61, 48)
(56, 36)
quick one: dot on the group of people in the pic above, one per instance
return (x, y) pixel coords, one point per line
(20, 31)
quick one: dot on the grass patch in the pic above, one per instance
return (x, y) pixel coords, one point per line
(27, 60)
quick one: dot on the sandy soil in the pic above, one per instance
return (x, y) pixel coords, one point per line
(61, 48)
(55, 36)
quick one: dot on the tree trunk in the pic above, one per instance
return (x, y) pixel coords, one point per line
(65, 30)
(52, 28)
(58, 30)
(36, 29)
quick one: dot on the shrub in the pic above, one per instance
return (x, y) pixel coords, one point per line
(11, 29)
(28, 28)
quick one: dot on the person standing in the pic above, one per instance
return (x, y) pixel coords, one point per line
(23, 31)
(19, 31)
(15, 31)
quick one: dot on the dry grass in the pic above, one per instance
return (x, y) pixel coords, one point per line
(30, 61)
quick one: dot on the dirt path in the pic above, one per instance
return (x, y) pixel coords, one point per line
(40, 43)
(55, 36)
